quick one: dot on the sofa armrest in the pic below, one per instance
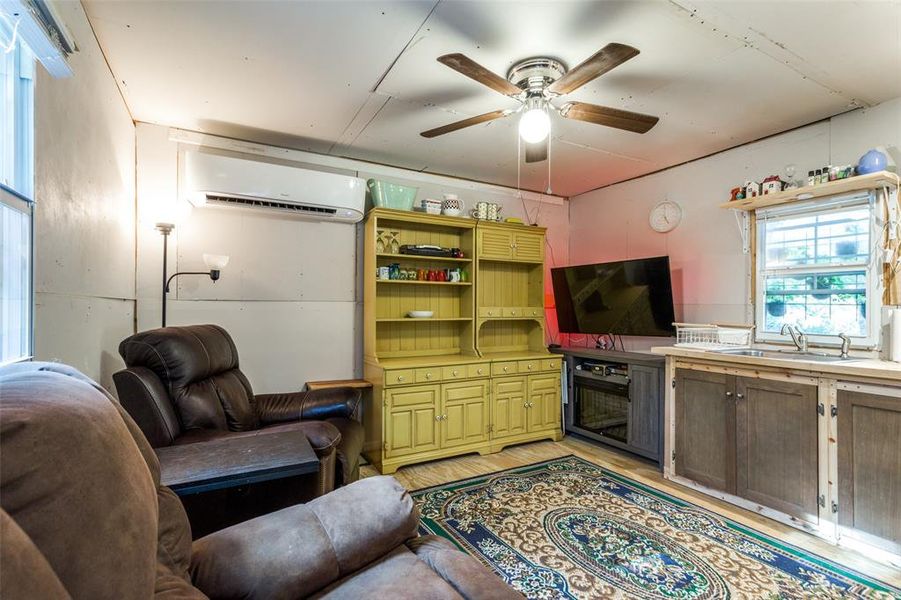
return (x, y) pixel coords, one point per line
(314, 405)
(146, 399)
(294, 552)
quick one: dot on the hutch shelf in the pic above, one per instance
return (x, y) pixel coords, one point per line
(475, 377)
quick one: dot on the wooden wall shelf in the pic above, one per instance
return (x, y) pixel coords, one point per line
(419, 282)
(423, 258)
(424, 320)
(812, 192)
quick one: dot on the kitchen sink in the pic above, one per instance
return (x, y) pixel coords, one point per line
(785, 354)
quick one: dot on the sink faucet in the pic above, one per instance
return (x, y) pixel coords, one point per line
(846, 344)
(799, 338)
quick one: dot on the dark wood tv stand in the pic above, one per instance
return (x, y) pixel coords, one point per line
(621, 406)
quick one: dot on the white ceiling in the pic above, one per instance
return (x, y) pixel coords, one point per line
(359, 79)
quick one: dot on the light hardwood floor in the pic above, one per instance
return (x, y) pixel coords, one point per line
(444, 471)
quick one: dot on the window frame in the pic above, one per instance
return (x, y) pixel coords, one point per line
(20, 203)
(873, 267)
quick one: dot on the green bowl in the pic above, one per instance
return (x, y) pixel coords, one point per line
(391, 195)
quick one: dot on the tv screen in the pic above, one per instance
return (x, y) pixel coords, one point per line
(629, 297)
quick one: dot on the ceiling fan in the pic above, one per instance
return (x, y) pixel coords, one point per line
(537, 83)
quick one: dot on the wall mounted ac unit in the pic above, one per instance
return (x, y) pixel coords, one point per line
(214, 180)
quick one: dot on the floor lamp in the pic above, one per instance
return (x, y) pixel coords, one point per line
(215, 263)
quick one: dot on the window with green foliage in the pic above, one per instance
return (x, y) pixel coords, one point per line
(816, 270)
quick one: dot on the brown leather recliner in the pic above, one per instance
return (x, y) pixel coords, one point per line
(184, 385)
(84, 516)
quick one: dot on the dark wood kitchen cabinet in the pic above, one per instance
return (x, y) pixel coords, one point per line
(869, 463)
(644, 410)
(705, 429)
(776, 445)
(753, 438)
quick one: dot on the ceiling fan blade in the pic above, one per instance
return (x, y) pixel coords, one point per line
(537, 152)
(497, 114)
(465, 65)
(608, 57)
(611, 117)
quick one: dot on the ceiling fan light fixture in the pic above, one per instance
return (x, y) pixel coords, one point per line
(535, 123)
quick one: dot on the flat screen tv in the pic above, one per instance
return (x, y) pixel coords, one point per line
(629, 297)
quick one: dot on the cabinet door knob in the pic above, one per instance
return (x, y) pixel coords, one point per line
(529, 367)
(456, 373)
(480, 371)
(728, 394)
(437, 417)
(739, 396)
(506, 369)
(400, 377)
(428, 375)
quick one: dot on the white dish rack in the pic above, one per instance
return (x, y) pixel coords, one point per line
(709, 336)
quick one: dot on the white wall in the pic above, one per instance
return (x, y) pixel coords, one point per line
(291, 295)
(710, 271)
(84, 214)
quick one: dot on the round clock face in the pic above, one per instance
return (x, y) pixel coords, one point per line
(665, 216)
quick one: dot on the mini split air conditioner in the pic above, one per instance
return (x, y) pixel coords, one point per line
(214, 180)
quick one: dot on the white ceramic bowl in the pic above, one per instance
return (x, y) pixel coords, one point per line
(420, 314)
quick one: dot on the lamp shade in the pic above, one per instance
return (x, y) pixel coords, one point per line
(215, 262)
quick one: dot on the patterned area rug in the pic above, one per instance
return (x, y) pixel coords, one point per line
(567, 528)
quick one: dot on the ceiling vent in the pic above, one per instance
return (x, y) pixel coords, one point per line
(214, 180)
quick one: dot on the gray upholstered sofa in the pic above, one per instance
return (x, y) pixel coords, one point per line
(84, 516)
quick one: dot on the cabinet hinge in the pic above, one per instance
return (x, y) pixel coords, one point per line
(385, 446)
(673, 456)
(385, 402)
(835, 507)
(821, 500)
(674, 383)
(833, 411)
(821, 410)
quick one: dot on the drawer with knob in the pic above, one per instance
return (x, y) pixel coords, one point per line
(428, 375)
(499, 369)
(399, 377)
(454, 372)
(530, 366)
(482, 370)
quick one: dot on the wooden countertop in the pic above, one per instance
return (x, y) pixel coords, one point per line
(456, 359)
(642, 358)
(853, 367)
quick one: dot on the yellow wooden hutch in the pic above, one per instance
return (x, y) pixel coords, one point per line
(476, 376)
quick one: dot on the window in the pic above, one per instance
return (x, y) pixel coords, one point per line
(817, 269)
(16, 191)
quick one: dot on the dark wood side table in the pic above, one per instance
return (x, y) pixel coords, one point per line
(232, 462)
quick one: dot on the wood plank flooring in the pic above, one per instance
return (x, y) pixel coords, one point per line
(444, 471)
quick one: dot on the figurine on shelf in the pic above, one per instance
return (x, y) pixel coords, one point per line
(737, 194)
(771, 185)
(752, 189)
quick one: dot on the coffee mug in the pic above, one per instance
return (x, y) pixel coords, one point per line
(480, 211)
(452, 205)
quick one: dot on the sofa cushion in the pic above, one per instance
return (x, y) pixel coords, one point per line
(398, 575)
(198, 364)
(78, 486)
(24, 572)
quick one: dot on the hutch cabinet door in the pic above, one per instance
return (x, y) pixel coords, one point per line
(869, 464)
(705, 429)
(464, 413)
(528, 246)
(495, 243)
(644, 409)
(508, 406)
(544, 402)
(776, 445)
(412, 423)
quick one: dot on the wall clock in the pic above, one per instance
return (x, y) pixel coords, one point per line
(665, 216)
